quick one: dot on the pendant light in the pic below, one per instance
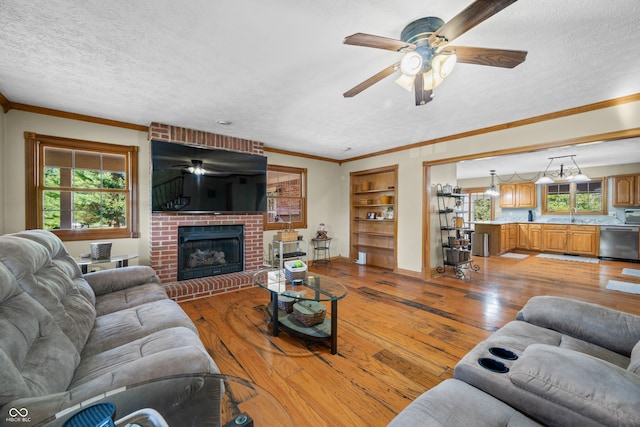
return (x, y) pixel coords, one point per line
(492, 191)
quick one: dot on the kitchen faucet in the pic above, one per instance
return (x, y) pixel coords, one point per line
(572, 212)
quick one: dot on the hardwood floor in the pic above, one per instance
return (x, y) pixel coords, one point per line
(398, 336)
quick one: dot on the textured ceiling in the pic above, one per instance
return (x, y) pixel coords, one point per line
(277, 70)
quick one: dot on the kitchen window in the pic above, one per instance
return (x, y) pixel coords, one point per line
(586, 197)
(286, 198)
(81, 190)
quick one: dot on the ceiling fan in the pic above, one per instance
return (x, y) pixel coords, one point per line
(195, 168)
(428, 59)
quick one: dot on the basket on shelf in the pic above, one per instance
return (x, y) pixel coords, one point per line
(286, 301)
(287, 234)
(295, 269)
(365, 201)
(100, 250)
(309, 313)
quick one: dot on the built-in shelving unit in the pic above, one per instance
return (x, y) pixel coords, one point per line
(374, 216)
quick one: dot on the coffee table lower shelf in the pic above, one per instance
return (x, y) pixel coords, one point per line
(327, 330)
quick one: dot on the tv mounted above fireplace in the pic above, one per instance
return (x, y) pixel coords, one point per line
(195, 179)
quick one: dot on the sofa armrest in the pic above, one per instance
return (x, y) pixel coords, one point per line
(106, 281)
(581, 383)
(612, 329)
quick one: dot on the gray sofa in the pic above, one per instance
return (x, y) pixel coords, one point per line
(66, 339)
(567, 363)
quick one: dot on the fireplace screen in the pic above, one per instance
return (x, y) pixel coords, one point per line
(210, 250)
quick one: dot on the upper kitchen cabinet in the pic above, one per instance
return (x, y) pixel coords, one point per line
(626, 190)
(518, 195)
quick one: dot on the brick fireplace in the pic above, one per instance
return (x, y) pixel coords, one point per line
(164, 226)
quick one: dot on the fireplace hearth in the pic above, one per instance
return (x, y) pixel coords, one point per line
(210, 250)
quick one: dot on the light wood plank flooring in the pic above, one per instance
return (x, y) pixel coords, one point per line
(398, 336)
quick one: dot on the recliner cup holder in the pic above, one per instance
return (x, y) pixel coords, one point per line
(503, 353)
(493, 365)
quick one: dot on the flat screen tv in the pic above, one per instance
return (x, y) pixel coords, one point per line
(194, 179)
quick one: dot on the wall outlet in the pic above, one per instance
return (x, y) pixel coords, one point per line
(613, 214)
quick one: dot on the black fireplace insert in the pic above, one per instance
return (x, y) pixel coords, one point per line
(210, 250)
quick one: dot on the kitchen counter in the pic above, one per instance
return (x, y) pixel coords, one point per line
(603, 220)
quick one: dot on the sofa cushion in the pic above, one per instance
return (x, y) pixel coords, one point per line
(608, 328)
(580, 383)
(117, 328)
(167, 352)
(128, 298)
(454, 403)
(36, 357)
(45, 270)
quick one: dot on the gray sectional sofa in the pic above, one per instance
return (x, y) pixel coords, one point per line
(68, 338)
(560, 363)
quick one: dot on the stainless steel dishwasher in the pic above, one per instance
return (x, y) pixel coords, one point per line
(619, 241)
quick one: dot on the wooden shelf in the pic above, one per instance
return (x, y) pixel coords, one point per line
(376, 237)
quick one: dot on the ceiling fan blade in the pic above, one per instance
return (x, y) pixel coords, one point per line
(378, 42)
(492, 57)
(474, 14)
(371, 80)
(422, 96)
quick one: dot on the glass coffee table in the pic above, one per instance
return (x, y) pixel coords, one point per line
(231, 402)
(314, 287)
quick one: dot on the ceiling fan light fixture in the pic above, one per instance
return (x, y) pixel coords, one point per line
(196, 169)
(411, 63)
(406, 81)
(444, 62)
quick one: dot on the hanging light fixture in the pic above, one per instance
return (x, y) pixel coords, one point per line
(196, 169)
(563, 173)
(492, 191)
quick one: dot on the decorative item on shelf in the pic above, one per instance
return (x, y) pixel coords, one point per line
(389, 213)
(371, 215)
(364, 186)
(447, 189)
(100, 250)
(321, 233)
(365, 201)
(459, 222)
(295, 269)
(457, 190)
(386, 200)
(287, 234)
(309, 313)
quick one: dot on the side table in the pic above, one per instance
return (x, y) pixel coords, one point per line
(119, 260)
(321, 250)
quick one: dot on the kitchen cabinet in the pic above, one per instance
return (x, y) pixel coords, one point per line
(522, 241)
(374, 216)
(571, 239)
(518, 195)
(583, 240)
(626, 190)
(535, 237)
(502, 237)
(554, 238)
